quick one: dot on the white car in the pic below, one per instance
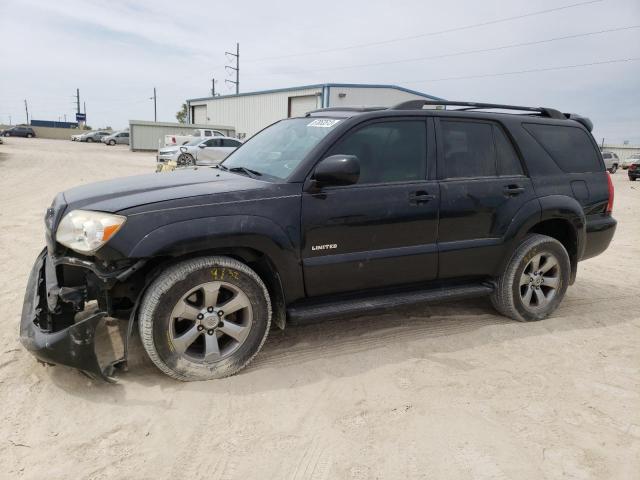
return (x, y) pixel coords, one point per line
(611, 161)
(629, 160)
(172, 140)
(199, 151)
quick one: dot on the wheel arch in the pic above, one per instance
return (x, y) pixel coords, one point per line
(557, 216)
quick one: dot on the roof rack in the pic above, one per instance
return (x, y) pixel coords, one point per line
(344, 109)
(418, 104)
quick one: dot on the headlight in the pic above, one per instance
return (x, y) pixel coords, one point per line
(85, 232)
(183, 149)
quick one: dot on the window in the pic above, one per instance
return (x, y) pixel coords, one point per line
(212, 143)
(207, 133)
(570, 147)
(226, 142)
(469, 150)
(606, 155)
(475, 149)
(508, 160)
(387, 151)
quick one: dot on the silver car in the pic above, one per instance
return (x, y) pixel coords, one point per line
(117, 137)
(96, 136)
(199, 151)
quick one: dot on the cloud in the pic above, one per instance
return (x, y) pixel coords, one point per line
(116, 52)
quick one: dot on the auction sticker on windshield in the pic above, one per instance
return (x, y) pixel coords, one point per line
(323, 123)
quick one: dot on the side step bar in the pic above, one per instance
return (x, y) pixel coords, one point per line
(313, 311)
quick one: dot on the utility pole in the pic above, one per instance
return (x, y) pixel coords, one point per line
(236, 68)
(155, 114)
(78, 100)
(26, 109)
(84, 104)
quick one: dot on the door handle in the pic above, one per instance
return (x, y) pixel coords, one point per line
(420, 196)
(512, 190)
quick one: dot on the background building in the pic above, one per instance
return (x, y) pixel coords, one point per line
(251, 112)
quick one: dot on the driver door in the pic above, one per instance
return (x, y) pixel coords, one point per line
(381, 231)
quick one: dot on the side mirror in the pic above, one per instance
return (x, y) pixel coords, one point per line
(337, 170)
(202, 145)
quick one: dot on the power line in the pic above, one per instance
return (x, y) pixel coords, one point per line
(518, 72)
(481, 50)
(428, 34)
(461, 53)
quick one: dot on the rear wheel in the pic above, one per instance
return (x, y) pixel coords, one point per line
(205, 318)
(535, 280)
(29, 135)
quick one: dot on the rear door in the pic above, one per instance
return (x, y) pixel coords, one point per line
(381, 231)
(482, 186)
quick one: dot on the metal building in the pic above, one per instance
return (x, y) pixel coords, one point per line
(250, 112)
(145, 135)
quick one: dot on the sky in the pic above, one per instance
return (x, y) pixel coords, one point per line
(516, 51)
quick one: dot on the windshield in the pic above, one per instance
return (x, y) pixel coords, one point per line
(194, 142)
(277, 150)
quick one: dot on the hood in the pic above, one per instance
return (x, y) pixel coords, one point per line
(128, 192)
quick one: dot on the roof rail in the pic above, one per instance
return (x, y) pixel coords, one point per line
(345, 109)
(418, 104)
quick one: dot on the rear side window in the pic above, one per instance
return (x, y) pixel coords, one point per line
(508, 160)
(475, 149)
(570, 147)
(468, 149)
(230, 143)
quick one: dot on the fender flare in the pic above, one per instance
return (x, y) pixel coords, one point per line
(228, 232)
(552, 207)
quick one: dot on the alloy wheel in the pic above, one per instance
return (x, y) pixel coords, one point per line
(210, 322)
(539, 281)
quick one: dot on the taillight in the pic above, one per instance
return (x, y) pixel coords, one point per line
(633, 166)
(611, 192)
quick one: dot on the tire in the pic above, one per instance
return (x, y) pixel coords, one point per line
(186, 160)
(89, 140)
(179, 332)
(7, 134)
(633, 179)
(29, 135)
(512, 298)
(111, 142)
(613, 169)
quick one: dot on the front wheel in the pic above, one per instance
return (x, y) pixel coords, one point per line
(89, 140)
(535, 280)
(613, 169)
(111, 142)
(186, 160)
(204, 318)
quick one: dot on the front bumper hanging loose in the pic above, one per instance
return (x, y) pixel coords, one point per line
(72, 346)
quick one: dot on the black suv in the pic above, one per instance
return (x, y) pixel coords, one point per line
(27, 132)
(338, 213)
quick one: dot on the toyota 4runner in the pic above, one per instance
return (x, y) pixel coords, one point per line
(341, 212)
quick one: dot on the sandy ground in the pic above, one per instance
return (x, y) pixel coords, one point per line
(448, 391)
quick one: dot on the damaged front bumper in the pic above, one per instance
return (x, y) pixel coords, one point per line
(57, 329)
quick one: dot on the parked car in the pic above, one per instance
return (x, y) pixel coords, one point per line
(342, 212)
(208, 151)
(96, 136)
(173, 140)
(117, 137)
(611, 161)
(19, 131)
(634, 168)
(76, 137)
(629, 160)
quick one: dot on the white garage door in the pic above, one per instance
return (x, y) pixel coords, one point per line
(199, 114)
(298, 106)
